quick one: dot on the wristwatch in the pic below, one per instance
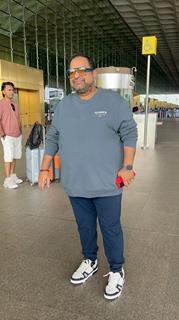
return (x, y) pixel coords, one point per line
(128, 167)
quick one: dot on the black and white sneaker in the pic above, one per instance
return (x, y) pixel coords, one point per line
(86, 269)
(115, 284)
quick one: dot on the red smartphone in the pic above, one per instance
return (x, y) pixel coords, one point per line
(120, 181)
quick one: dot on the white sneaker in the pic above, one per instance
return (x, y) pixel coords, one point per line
(86, 269)
(115, 284)
(9, 183)
(16, 179)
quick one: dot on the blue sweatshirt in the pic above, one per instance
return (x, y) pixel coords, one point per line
(90, 136)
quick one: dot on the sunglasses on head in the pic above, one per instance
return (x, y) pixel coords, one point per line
(82, 71)
(13, 107)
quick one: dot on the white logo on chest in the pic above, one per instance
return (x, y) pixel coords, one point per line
(100, 113)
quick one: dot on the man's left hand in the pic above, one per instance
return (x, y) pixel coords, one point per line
(127, 176)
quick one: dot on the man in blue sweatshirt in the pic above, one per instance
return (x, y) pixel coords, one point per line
(94, 131)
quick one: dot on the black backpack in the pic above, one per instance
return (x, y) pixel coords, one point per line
(35, 137)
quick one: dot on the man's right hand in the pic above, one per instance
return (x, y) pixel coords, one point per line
(44, 175)
(44, 179)
(3, 135)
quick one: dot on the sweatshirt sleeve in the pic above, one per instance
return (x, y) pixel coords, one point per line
(128, 132)
(52, 138)
(127, 129)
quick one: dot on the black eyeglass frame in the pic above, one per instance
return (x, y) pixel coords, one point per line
(13, 107)
(78, 69)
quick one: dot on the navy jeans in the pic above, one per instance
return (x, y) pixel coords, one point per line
(107, 210)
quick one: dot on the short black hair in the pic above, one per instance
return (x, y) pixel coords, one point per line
(4, 84)
(7, 83)
(88, 58)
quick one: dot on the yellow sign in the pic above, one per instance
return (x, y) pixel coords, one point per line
(149, 45)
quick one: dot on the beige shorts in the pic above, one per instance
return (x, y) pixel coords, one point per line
(12, 147)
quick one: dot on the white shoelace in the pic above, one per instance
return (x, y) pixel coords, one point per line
(83, 265)
(114, 278)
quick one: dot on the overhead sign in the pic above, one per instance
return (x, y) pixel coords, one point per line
(149, 45)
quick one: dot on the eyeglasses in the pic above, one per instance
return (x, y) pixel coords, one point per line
(13, 107)
(81, 71)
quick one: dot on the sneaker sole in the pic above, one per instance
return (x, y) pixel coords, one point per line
(10, 188)
(117, 295)
(83, 280)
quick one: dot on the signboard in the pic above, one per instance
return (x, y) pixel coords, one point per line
(149, 45)
(54, 93)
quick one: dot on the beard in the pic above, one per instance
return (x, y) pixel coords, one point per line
(87, 87)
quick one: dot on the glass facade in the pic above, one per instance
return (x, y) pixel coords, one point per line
(46, 33)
